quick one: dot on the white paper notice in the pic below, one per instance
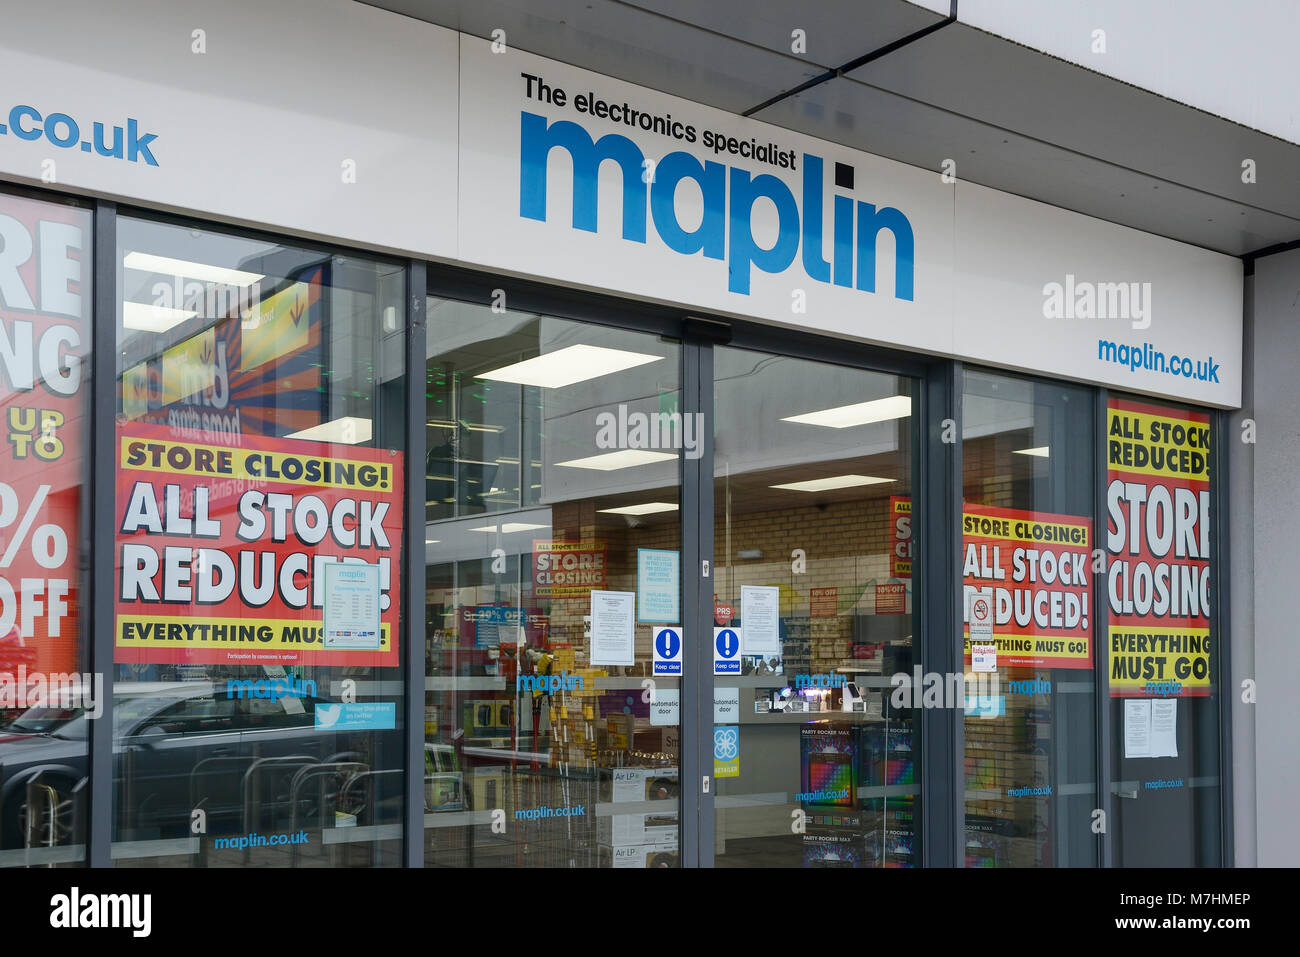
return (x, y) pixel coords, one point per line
(1137, 728)
(983, 658)
(351, 613)
(613, 623)
(1164, 728)
(760, 609)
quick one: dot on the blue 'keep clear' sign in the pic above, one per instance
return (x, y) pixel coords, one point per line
(726, 651)
(668, 652)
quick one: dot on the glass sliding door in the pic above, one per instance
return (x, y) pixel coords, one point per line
(553, 543)
(257, 713)
(1162, 638)
(1028, 488)
(814, 764)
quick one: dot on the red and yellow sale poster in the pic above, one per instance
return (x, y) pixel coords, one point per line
(567, 569)
(221, 547)
(1158, 545)
(45, 298)
(824, 602)
(1036, 568)
(900, 523)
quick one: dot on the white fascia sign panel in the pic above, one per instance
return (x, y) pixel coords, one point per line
(572, 176)
(1044, 289)
(603, 184)
(330, 118)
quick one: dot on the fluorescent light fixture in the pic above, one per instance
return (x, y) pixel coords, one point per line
(348, 430)
(1042, 451)
(647, 508)
(431, 541)
(145, 317)
(861, 413)
(509, 528)
(833, 482)
(579, 363)
(622, 459)
(147, 262)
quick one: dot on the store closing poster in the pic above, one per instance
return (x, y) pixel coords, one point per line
(1158, 540)
(44, 348)
(1035, 569)
(900, 517)
(222, 549)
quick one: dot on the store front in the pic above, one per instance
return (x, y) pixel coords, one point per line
(773, 514)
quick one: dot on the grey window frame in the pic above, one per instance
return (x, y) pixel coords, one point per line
(936, 533)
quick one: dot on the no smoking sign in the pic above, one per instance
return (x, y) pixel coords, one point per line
(983, 652)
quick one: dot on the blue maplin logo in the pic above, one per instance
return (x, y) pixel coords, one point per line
(275, 689)
(818, 681)
(61, 130)
(549, 683)
(797, 236)
(1032, 686)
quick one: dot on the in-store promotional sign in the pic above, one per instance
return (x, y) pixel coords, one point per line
(1028, 581)
(567, 569)
(1158, 540)
(900, 514)
(44, 341)
(823, 602)
(222, 550)
(600, 183)
(891, 598)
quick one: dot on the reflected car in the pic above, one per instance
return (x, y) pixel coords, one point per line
(248, 763)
